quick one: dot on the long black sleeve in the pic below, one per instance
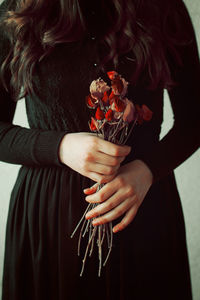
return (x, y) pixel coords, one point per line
(20, 145)
(184, 138)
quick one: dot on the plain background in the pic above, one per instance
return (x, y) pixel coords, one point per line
(187, 177)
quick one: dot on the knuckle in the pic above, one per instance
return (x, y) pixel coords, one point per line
(110, 206)
(130, 191)
(120, 181)
(101, 198)
(115, 161)
(87, 156)
(107, 178)
(116, 152)
(101, 179)
(110, 171)
(119, 212)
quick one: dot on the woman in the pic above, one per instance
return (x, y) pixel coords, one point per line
(50, 52)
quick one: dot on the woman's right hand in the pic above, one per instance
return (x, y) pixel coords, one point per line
(92, 156)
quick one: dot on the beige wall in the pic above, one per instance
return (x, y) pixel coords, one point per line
(187, 176)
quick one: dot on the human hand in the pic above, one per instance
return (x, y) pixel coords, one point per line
(122, 195)
(92, 156)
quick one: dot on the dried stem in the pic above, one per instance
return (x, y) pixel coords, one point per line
(79, 223)
(86, 251)
(104, 230)
(110, 244)
(100, 249)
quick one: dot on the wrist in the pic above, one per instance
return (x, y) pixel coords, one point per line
(146, 171)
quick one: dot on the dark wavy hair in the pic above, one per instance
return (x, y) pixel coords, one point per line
(147, 30)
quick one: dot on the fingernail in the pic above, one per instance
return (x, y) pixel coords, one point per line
(88, 216)
(95, 222)
(115, 229)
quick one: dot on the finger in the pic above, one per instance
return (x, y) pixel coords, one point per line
(91, 190)
(106, 206)
(113, 149)
(102, 169)
(114, 213)
(109, 160)
(129, 216)
(104, 193)
(99, 178)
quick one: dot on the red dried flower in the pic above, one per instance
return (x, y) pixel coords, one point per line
(91, 102)
(117, 85)
(112, 95)
(118, 104)
(105, 98)
(147, 113)
(129, 112)
(109, 115)
(99, 114)
(112, 74)
(144, 113)
(139, 114)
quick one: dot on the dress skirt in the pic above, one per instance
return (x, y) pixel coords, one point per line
(148, 260)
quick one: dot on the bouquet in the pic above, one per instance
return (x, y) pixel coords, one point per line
(114, 119)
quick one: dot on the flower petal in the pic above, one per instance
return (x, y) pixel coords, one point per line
(118, 104)
(147, 113)
(112, 74)
(109, 115)
(99, 114)
(129, 112)
(105, 99)
(98, 87)
(91, 102)
(117, 85)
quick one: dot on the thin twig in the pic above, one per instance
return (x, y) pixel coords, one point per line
(110, 246)
(79, 223)
(100, 249)
(86, 252)
(131, 129)
(80, 235)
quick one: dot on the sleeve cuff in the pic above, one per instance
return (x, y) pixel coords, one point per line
(46, 149)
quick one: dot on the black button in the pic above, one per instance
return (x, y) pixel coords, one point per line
(95, 64)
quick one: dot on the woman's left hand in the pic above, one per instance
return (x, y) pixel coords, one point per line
(123, 195)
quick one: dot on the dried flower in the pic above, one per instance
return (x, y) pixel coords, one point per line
(106, 98)
(91, 102)
(147, 113)
(109, 115)
(118, 104)
(98, 88)
(112, 74)
(129, 112)
(116, 112)
(99, 114)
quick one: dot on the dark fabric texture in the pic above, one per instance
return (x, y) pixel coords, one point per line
(149, 258)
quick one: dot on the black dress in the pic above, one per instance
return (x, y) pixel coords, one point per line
(149, 258)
